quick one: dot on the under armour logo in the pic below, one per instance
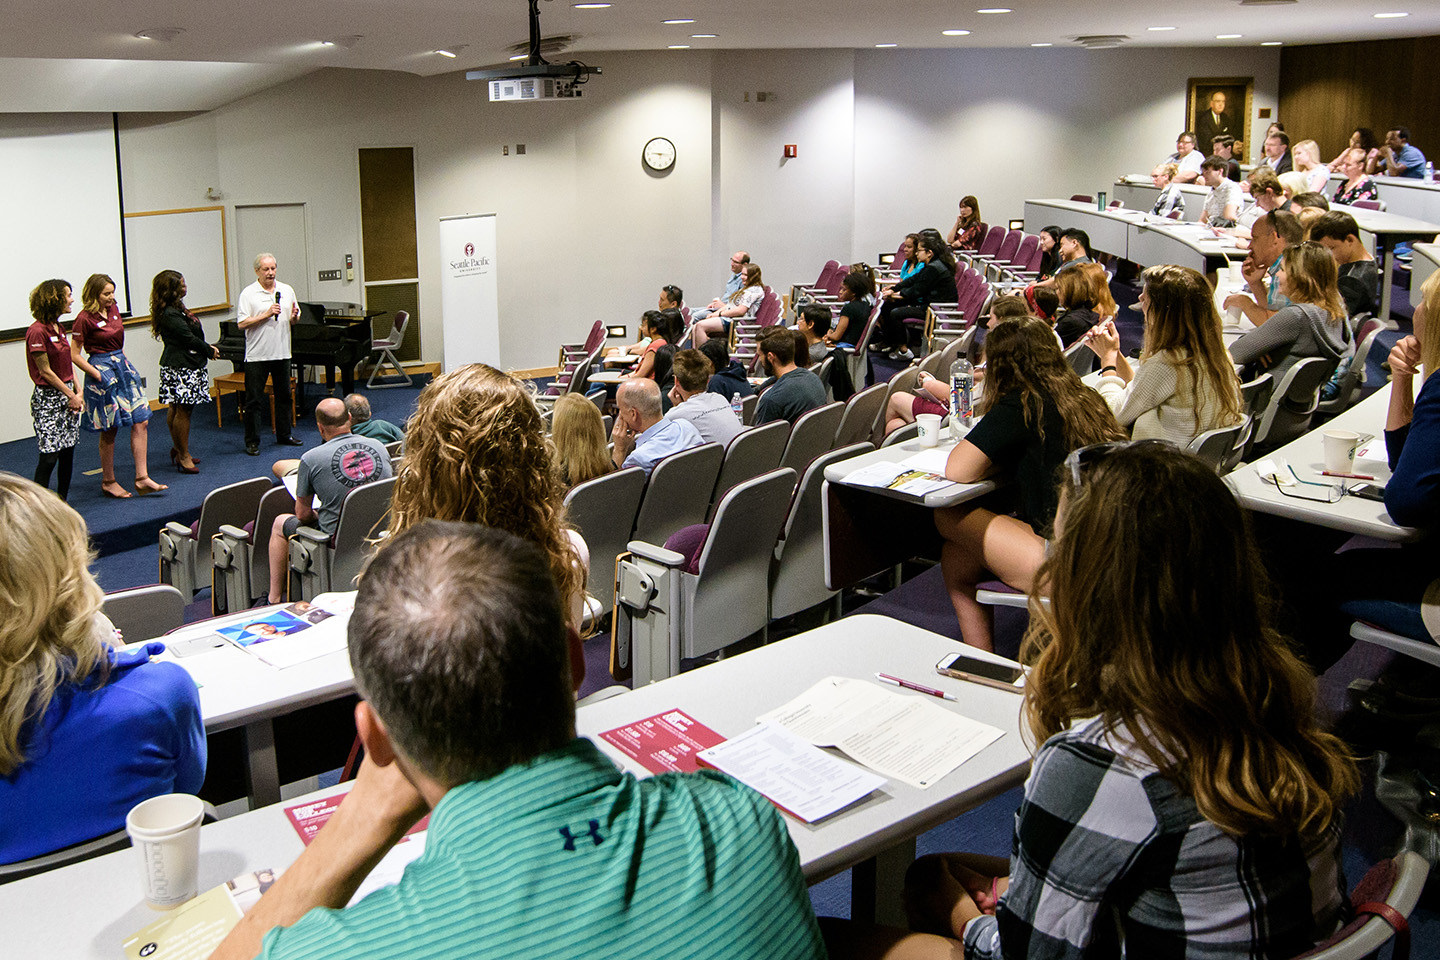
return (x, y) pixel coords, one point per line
(593, 833)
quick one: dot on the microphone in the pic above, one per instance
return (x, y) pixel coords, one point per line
(277, 303)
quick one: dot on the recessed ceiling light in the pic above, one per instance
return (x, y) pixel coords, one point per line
(160, 34)
(591, 6)
(703, 36)
(679, 46)
(1271, 43)
(1390, 16)
(1227, 36)
(1159, 29)
(995, 10)
(956, 33)
(446, 53)
(887, 44)
(327, 43)
(1042, 44)
(673, 22)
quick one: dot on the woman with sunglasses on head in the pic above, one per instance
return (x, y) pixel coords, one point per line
(1034, 411)
(1313, 325)
(1184, 793)
(1185, 383)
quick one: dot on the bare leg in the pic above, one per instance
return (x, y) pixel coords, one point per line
(900, 411)
(707, 328)
(846, 940)
(108, 483)
(279, 559)
(980, 542)
(140, 453)
(937, 884)
(180, 433)
(283, 468)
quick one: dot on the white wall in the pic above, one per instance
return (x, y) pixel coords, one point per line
(888, 141)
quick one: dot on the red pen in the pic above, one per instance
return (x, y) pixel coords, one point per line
(912, 685)
(1348, 476)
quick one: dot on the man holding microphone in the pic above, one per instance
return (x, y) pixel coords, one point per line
(266, 310)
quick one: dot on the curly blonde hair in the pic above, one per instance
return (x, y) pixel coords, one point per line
(476, 451)
(48, 607)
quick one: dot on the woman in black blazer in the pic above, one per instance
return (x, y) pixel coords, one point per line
(934, 282)
(184, 378)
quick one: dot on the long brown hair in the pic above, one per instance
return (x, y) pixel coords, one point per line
(752, 279)
(974, 205)
(90, 293)
(165, 293)
(578, 434)
(1313, 277)
(1182, 320)
(1160, 624)
(475, 451)
(1022, 354)
(1086, 286)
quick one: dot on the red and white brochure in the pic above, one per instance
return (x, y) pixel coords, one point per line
(664, 743)
(308, 818)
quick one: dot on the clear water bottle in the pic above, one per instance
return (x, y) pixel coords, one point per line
(1429, 171)
(962, 395)
(737, 407)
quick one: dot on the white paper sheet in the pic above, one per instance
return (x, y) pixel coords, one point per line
(908, 737)
(793, 774)
(932, 460)
(898, 477)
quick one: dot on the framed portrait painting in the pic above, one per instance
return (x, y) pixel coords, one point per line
(1220, 105)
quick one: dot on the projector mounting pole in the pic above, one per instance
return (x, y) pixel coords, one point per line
(535, 59)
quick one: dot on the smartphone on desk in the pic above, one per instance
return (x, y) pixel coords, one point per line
(965, 667)
(1367, 491)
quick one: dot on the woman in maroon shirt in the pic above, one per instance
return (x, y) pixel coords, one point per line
(113, 395)
(54, 403)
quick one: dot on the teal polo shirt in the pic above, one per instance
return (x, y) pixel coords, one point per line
(565, 857)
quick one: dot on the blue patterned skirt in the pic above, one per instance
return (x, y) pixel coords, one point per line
(120, 404)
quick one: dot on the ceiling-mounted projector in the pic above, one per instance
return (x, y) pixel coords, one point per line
(535, 78)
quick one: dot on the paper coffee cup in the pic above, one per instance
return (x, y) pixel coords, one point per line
(1340, 450)
(1233, 315)
(929, 429)
(165, 832)
(1234, 273)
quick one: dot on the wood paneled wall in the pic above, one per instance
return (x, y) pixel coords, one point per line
(1327, 90)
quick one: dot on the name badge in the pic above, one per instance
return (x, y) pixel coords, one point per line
(54, 339)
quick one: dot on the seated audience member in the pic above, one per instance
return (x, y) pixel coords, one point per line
(1223, 202)
(1313, 325)
(1400, 159)
(649, 339)
(1277, 152)
(671, 298)
(1157, 816)
(1084, 299)
(1292, 183)
(362, 424)
(1074, 252)
(1357, 185)
(964, 235)
(1269, 238)
(342, 462)
(1223, 147)
(1170, 199)
(1034, 412)
(642, 436)
(671, 326)
(656, 331)
(1365, 141)
(802, 350)
(476, 453)
(1308, 201)
(795, 390)
(1186, 158)
(814, 325)
(709, 413)
(524, 813)
(578, 432)
(1268, 193)
(908, 262)
(733, 283)
(742, 304)
(1359, 278)
(911, 298)
(857, 299)
(1307, 161)
(1043, 302)
(1049, 251)
(729, 377)
(1185, 382)
(86, 732)
(1307, 217)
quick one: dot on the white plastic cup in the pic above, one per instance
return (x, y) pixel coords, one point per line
(929, 429)
(165, 832)
(1233, 315)
(1234, 273)
(1340, 450)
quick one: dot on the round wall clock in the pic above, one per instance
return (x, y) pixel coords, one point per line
(659, 154)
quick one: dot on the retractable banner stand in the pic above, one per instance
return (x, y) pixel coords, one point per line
(468, 291)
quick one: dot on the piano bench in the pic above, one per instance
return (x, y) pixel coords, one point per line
(235, 383)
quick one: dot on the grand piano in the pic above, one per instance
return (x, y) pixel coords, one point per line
(326, 335)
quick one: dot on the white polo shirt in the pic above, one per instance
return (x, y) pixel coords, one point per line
(269, 340)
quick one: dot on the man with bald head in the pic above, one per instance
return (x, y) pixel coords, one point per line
(342, 462)
(642, 436)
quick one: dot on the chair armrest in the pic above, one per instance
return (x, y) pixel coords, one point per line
(234, 533)
(178, 529)
(313, 534)
(667, 558)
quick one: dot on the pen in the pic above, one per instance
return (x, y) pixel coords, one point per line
(912, 685)
(1352, 476)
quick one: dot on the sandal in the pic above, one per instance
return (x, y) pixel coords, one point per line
(144, 485)
(122, 495)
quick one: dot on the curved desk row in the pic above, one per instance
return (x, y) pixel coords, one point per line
(1137, 236)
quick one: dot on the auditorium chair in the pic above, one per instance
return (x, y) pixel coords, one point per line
(678, 493)
(812, 434)
(752, 452)
(797, 575)
(1366, 333)
(144, 613)
(180, 545)
(603, 510)
(320, 562)
(238, 567)
(861, 412)
(667, 613)
(1293, 404)
(1381, 902)
(1217, 446)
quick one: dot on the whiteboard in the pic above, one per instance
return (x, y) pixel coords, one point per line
(191, 241)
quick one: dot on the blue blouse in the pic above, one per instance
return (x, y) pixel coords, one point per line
(98, 751)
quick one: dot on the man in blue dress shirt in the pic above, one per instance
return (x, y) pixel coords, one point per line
(642, 436)
(1399, 157)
